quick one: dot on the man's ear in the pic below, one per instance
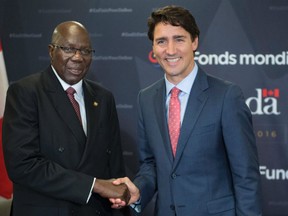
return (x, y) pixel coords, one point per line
(195, 44)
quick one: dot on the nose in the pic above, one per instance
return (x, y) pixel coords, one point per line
(77, 55)
(171, 48)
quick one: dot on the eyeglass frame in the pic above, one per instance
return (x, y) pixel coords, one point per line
(72, 50)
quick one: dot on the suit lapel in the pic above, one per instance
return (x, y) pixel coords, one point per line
(160, 110)
(62, 105)
(92, 106)
(196, 102)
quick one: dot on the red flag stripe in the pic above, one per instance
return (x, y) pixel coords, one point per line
(6, 187)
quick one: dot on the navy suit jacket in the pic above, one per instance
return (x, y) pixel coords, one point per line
(48, 156)
(215, 170)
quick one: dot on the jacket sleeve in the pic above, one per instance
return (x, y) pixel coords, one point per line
(146, 178)
(242, 152)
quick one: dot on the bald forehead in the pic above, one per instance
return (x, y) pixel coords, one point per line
(69, 25)
(67, 29)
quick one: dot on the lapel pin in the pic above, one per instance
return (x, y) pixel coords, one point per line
(95, 104)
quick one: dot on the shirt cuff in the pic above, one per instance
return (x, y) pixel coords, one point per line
(91, 190)
(136, 206)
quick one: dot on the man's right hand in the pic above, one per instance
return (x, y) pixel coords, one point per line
(106, 189)
(134, 193)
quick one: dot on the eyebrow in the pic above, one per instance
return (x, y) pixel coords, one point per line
(174, 37)
(179, 36)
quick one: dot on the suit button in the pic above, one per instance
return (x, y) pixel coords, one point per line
(61, 149)
(172, 207)
(73, 212)
(173, 176)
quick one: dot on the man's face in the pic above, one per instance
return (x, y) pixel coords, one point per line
(71, 67)
(174, 51)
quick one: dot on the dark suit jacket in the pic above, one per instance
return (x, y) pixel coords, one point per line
(215, 170)
(48, 157)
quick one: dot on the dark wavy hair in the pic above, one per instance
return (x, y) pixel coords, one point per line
(175, 16)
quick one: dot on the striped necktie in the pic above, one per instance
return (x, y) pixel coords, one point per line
(174, 118)
(70, 92)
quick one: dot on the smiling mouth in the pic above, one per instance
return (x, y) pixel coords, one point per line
(75, 71)
(172, 60)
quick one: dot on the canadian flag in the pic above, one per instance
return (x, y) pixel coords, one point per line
(5, 183)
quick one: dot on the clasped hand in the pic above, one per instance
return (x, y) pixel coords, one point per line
(133, 191)
(106, 189)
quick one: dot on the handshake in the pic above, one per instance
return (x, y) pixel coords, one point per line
(121, 192)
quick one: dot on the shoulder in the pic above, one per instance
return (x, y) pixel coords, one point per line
(28, 83)
(156, 86)
(28, 80)
(217, 87)
(219, 84)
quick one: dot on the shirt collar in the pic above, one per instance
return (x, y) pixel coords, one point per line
(185, 85)
(65, 86)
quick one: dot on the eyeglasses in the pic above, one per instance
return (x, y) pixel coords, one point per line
(72, 50)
